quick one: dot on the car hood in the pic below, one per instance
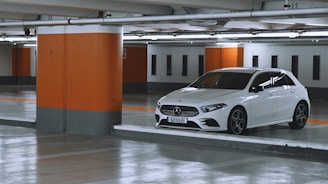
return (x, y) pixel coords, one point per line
(191, 95)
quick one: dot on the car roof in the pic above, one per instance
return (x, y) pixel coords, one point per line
(247, 69)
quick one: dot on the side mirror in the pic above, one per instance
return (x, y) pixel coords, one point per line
(256, 89)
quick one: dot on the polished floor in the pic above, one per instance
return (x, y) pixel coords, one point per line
(28, 155)
(32, 156)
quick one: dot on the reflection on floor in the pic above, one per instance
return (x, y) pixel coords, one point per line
(33, 156)
(19, 103)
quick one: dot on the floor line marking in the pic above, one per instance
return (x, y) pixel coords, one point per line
(136, 108)
(149, 109)
(17, 99)
(317, 121)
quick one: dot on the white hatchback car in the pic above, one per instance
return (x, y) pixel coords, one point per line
(233, 99)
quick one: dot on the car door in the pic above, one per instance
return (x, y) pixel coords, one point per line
(264, 103)
(287, 98)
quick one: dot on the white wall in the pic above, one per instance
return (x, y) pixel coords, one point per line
(264, 51)
(5, 60)
(161, 52)
(33, 61)
(285, 52)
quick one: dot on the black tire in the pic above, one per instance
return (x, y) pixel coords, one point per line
(300, 116)
(237, 121)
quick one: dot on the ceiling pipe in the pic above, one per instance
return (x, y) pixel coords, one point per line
(122, 20)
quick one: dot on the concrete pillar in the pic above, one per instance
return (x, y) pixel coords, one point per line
(79, 78)
(21, 65)
(135, 69)
(222, 57)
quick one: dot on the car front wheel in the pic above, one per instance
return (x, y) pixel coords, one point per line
(237, 121)
(300, 116)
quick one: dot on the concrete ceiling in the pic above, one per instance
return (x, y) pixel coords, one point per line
(186, 15)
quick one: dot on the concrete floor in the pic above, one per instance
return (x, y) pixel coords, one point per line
(32, 156)
(28, 155)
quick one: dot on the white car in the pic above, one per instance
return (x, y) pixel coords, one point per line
(234, 99)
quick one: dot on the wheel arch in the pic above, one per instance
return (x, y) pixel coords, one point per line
(307, 104)
(243, 108)
(299, 117)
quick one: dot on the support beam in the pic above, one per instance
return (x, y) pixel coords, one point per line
(214, 4)
(98, 5)
(25, 10)
(127, 20)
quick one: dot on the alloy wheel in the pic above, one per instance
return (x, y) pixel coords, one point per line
(237, 121)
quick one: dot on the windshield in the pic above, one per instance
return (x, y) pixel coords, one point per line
(223, 80)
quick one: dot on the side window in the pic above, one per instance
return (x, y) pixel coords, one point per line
(276, 79)
(289, 81)
(282, 79)
(263, 80)
(272, 79)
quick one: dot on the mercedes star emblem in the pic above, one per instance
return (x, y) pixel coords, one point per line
(177, 111)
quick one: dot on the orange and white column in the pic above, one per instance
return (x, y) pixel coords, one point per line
(135, 69)
(223, 56)
(21, 65)
(79, 79)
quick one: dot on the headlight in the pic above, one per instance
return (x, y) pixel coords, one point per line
(209, 108)
(158, 104)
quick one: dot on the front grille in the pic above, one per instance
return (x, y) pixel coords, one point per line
(185, 111)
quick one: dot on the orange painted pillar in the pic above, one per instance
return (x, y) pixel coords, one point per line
(21, 64)
(232, 57)
(212, 58)
(79, 79)
(135, 69)
(222, 57)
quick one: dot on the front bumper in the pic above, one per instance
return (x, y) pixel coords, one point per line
(210, 121)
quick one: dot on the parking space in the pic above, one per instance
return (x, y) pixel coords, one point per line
(19, 104)
(137, 152)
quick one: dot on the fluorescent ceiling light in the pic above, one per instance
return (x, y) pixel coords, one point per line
(17, 39)
(228, 44)
(317, 24)
(230, 36)
(315, 33)
(30, 45)
(286, 34)
(217, 36)
(245, 24)
(243, 35)
(277, 21)
(190, 37)
(167, 37)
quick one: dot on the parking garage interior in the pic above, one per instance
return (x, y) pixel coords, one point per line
(80, 82)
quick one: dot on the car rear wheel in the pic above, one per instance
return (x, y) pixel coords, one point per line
(300, 116)
(237, 121)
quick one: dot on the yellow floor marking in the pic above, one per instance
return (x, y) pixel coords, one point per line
(17, 99)
(135, 108)
(317, 121)
(151, 109)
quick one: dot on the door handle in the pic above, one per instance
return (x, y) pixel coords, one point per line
(292, 91)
